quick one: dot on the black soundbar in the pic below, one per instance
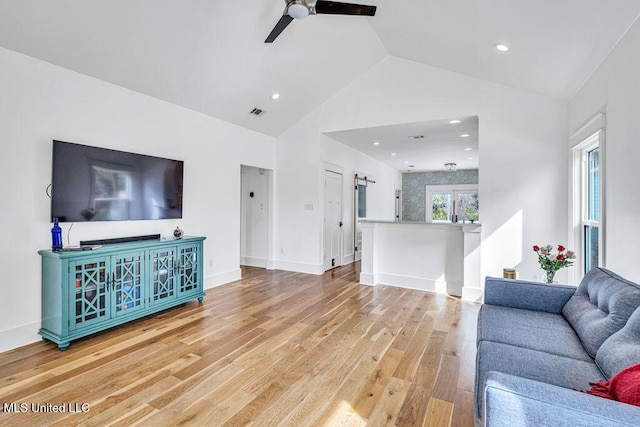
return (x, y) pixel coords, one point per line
(120, 240)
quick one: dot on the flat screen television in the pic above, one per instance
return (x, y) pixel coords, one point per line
(99, 184)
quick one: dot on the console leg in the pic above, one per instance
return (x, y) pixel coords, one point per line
(64, 345)
(200, 299)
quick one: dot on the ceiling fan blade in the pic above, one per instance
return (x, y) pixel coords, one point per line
(337, 8)
(280, 26)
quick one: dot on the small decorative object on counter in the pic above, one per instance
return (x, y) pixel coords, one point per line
(178, 233)
(56, 235)
(509, 273)
(550, 262)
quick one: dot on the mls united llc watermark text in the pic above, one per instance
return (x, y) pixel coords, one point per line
(33, 407)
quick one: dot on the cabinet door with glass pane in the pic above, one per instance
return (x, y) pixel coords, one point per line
(163, 275)
(89, 301)
(128, 280)
(187, 272)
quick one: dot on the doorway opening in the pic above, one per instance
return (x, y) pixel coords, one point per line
(256, 208)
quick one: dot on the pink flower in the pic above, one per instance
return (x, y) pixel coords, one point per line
(571, 254)
(544, 251)
(536, 248)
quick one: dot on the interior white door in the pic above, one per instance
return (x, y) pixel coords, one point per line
(332, 224)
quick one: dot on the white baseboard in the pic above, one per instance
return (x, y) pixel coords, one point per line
(409, 282)
(19, 336)
(254, 262)
(298, 267)
(367, 279)
(222, 278)
(472, 294)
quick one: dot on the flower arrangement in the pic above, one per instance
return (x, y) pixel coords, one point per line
(551, 262)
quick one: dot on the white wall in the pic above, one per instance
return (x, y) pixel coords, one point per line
(615, 89)
(40, 102)
(302, 153)
(523, 158)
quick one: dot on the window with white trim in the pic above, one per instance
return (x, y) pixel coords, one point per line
(588, 203)
(445, 201)
(591, 206)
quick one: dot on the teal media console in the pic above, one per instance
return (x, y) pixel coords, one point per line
(87, 291)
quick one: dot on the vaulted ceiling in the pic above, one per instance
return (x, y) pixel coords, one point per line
(210, 55)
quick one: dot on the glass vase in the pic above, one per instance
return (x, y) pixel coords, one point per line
(549, 276)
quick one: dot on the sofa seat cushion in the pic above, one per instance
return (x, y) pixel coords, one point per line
(535, 330)
(600, 307)
(532, 364)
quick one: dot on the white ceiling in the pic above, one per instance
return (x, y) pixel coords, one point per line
(441, 144)
(210, 55)
(555, 44)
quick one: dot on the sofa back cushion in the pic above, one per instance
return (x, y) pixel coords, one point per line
(621, 349)
(600, 307)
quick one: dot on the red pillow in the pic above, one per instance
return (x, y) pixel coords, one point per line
(623, 386)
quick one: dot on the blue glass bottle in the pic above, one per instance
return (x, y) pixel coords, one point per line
(56, 235)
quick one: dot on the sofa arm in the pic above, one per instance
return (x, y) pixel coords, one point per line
(512, 401)
(527, 295)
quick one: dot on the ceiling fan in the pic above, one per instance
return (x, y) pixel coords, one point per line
(300, 9)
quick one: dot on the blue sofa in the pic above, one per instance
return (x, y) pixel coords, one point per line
(538, 343)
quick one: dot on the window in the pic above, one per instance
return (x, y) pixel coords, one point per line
(588, 205)
(443, 201)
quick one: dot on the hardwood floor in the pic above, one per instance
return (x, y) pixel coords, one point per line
(276, 348)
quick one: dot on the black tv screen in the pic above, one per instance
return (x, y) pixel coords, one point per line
(99, 184)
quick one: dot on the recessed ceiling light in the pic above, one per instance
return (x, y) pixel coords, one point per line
(275, 96)
(501, 47)
(393, 154)
(376, 143)
(465, 135)
(468, 149)
(455, 121)
(416, 137)
(406, 163)
(470, 158)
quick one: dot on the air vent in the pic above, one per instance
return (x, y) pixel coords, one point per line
(256, 112)
(416, 137)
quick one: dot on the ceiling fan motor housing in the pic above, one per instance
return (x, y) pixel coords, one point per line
(298, 10)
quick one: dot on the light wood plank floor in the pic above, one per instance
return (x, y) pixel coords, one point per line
(276, 348)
